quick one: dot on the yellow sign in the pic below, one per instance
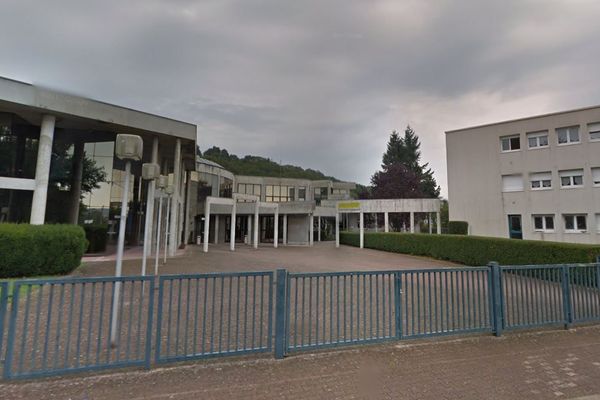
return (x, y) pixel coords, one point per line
(351, 205)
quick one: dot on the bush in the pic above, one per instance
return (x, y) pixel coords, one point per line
(477, 250)
(32, 250)
(458, 227)
(96, 235)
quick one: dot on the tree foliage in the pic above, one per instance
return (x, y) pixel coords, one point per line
(260, 166)
(402, 174)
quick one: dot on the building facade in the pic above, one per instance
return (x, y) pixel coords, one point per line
(531, 178)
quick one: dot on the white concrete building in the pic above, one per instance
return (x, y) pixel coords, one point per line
(36, 123)
(531, 178)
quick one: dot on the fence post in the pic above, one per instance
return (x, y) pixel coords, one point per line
(12, 322)
(280, 306)
(496, 298)
(150, 314)
(566, 296)
(598, 272)
(397, 303)
(3, 309)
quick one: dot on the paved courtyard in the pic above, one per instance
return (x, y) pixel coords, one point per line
(545, 365)
(322, 256)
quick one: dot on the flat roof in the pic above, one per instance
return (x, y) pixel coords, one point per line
(45, 100)
(524, 118)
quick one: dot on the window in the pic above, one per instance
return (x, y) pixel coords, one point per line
(596, 176)
(537, 140)
(568, 135)
(512, 183)
(575, 223)
(541, 181)
(249, 188)
(594, 130)
(510, 143)
(543, 223)
(571, 178)
(278, 193)
(301, 193)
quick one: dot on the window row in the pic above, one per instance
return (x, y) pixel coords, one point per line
(572, 178)
(572, 223)
(540, 139)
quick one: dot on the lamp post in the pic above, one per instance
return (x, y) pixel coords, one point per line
(169, 192)
(150, 172)
(162, 183)
(127, 148)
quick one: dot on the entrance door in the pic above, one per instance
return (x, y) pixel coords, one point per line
(515, 231)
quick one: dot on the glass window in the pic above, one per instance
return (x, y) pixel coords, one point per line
(596, 176)
(568, 135)
(18, 147)
(571, 178)
(302, 193)
(543, 223)
(575, 223)
(541, 180)
(594, 130)
(537, 139)
(510, 143)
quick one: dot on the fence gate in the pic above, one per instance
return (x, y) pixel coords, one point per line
(208, 315)
(64, 325)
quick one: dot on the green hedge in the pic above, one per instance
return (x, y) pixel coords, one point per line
(458, 227)
(96, 235)
(477, 250)
(32, 250)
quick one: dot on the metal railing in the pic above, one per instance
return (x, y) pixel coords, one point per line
(207, 315)
(54, 326)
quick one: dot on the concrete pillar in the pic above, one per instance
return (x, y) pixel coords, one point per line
(361, 223)
(206, 224)
(249, 229)
(386, 221)
(232, 226)
(77, 174)
(438, 221)
(376, 222)
(188, 189)
(412, 222)
(285, 217)
(181, 207)
(216, 230)
(276, 228)
(319, 229)
(337, 229)
(42, 170)
(311, 229)
(256, 212)
(429, 223)
(150, 203)
(174, 234)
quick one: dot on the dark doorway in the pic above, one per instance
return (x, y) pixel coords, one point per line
(515, 230)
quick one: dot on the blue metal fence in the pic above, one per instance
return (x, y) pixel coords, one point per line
(54, 326)
(63, 325)
(207, 315)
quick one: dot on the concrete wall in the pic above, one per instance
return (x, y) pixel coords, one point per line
(476, 165)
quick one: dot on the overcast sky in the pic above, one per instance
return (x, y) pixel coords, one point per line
(319, 84)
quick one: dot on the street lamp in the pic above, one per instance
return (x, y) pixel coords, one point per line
(150, 172)
(127, 148)
(162, 183)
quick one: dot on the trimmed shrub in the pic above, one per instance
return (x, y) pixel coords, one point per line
(32, 250)
(477, 250)
(97, 236)
(458, 227)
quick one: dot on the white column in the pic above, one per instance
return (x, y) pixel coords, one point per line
(311, 229)
(77, 173)
(248, 229)
(319, 229)
(255, 222)
(206, 224)
(438, 222)
(175, 203)
(158, 235)
(149, 210)
(181, 207)
(386, 221)
(276, 233)
(186, 221)
(361, 223)
(337, 229)
(216, 230)
(376, 222)
(285, 217)
(42, 170)
(232, 226)
(412, 222)
(429, 223)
